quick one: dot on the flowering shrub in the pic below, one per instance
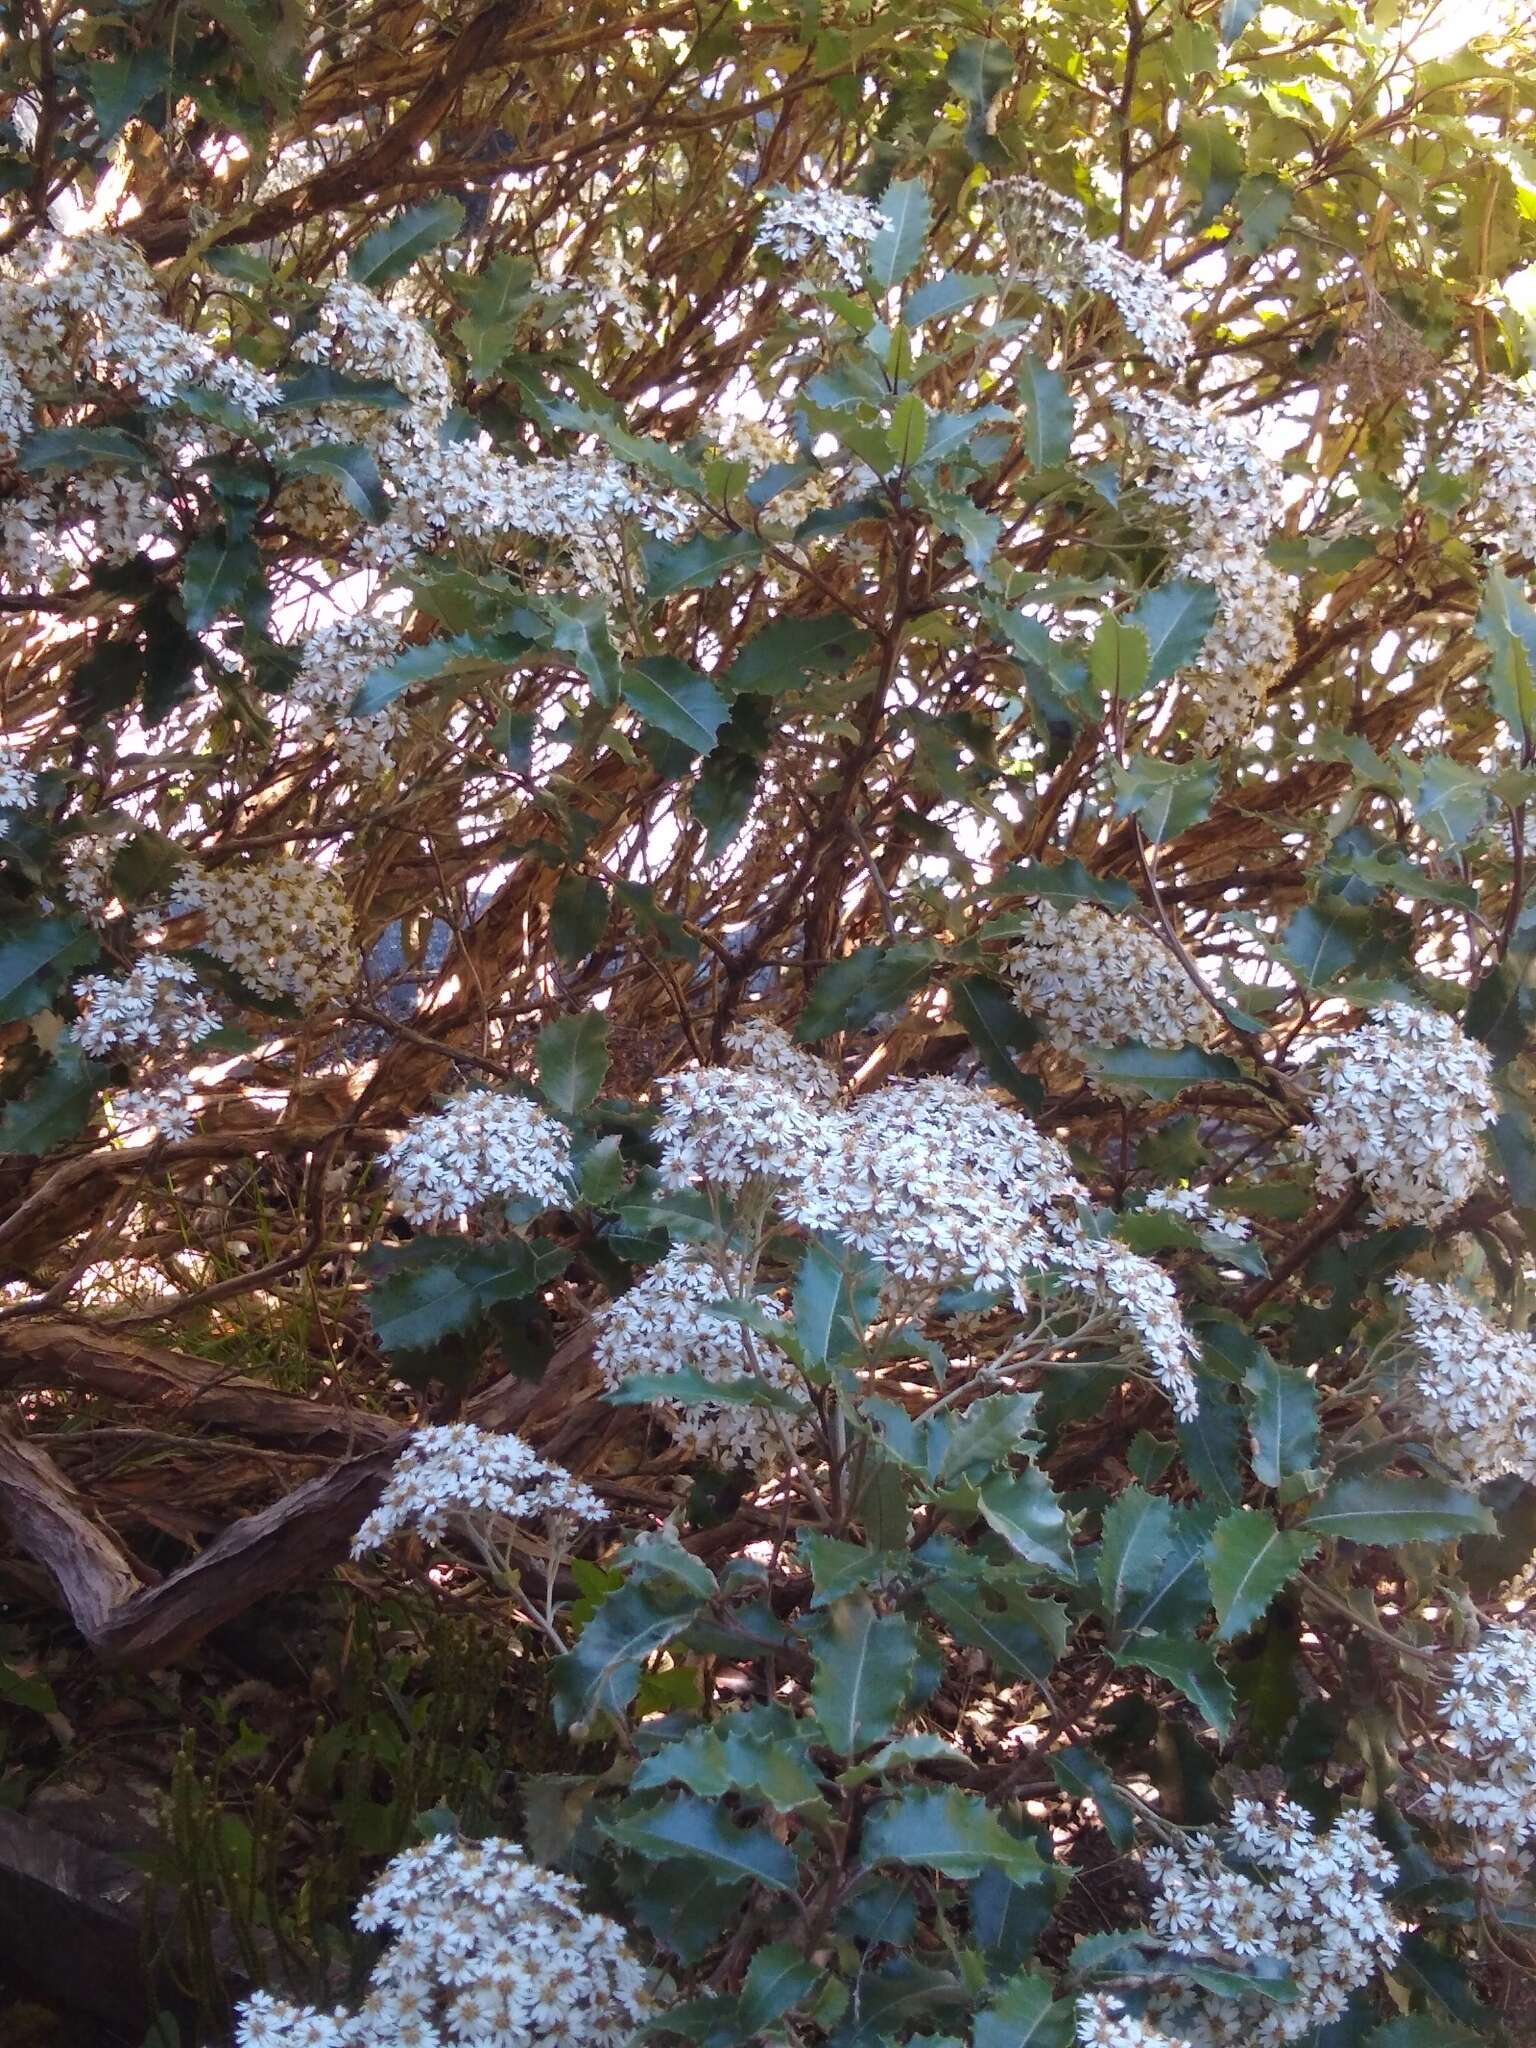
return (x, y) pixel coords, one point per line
(768, 924)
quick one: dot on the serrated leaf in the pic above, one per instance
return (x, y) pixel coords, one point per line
(1282, 1415)
(349, 467)
(436, 1287)
(899, 243)
(864, 1665)
(1160, 1071)
(986, 1434)
(1138, 1534)
(950, 1831)
(1506, 624)
(848, 994)
(677, 700)
(1376, 1508)
(1119, 660)
(1321, 942)
(761, 1754)
(1081, 1775)
(1048, 418)
(571, 1061)
(997, 1028)
(459, 656)
(1166, 796)
(1175, 617)
(946, 294)
(1027, 1515)
(1189, 1665)
(578, 917)
(36, 955)
(56, 1108)
(1248, 1560)
(1024, 1637)
(1025, 2014)
(790, 651)
(218, 577)
(695, 563)
(1066, 881)
(688, 1828)
(837, 1291)
(1179, 1597)
(81, 448)
(601, 1672)
(777, 1979)
(390, 250)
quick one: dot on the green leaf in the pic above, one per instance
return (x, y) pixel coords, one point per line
(56, 1108)
(1189, 1665)
(1179, 1597)
(777, 1979)
(1025, 2014)
(1322, 942)
(979, 67)
(1210, 1439)
(601, 1673)
(1048, 418)
(119, 88)
(1450, 800)
(1138, 1534)
(1175, 617)
(690, 1389)
(1066, 881)
(900, 242)
(460, 657)
(909, 430)
(1167, 796)
(677, 700)
(1027, 1515)
(848, 994)
(571, 1060)
(687, 1828)
(1283, 1418)
(36, 956)
(82, 448)
(978, 532)
(1159, 1071)
(1248, 1560)
(864, 1666)
(1506, 624)
(950, 1831)
(761, 1754)
(1022, 1635)
(349, 467)
(697, 563)
(946, 294)
(1263, 206)
(1119, 660)
(436, 1287)
(997, 1028)
(1235, 17)
(836, 1292)
(790, 651)
(1080, 1775)
(578, 917)
(219, 577)
(986, 1434)
(1420, 2030)
(390, 250)
(1376, 1508)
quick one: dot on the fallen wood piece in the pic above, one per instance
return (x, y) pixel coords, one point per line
(300, 1536)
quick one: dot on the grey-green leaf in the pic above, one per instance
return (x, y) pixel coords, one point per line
(899, 243)
(1247, 1562)
(571, 1061)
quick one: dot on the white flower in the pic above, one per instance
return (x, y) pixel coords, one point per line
(1097, 980)
(334, 663)
(1400, 1107)
(724, 1128)
(1143, 1297)
(357, 332)
(1490, 1715)
(1053, 249)
(483, 1147)
(664, 1325)
(158, 1007)
(1496, 449)
(471, 1932)
(1229, 495)
(454, 1474)
(18, 784)
(284, 926)
(838, 225)
(1473, 1385)
(1194, 1205)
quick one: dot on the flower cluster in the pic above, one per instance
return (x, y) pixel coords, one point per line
(284, 926)
(1228, 494)
(603, 295)
(1312, 1901)
(733, 1126)
(1103, 2022)
(1399, 1106)
(1490, 1716)
(664, 1324)
(1052, 247)
(1474, 1385)
(1142, 1297)
(768, 1049)
(1097, 980)
(483, 1950)
(753, 442)
(481, 1148)
(839, 225)
(1496, 450)
(333, 666)
(1194, 1206)
(456, 1475)
(357, 332)
(153, 1016)
(18, 784)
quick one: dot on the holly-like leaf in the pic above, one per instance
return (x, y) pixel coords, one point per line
(850, 993)
(778, 1978)
(55, 1108)
(791, 651)
(1048, 418)
(691, 1830)
(695, 563)
(1159, 1071)
(390, 250)
(578, 917)
(600, 1674)
(570, 1058)
(899, 243)
(1027, 1515)
(1025, 2014)
(1166, 796)
(864, 1665)
(349, 467)
(950, 1831)
(36, 956)
(677, 700)
(997, 1028)
(1283, 1420)
(1138, 1534)
(1248, 1560)
(1376, 1508)
(1081, 1775)
(1175, 618)
(219, 577)
(437, 1287)
(1191, 1666)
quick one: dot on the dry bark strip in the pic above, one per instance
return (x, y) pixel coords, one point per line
(299, 1536)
